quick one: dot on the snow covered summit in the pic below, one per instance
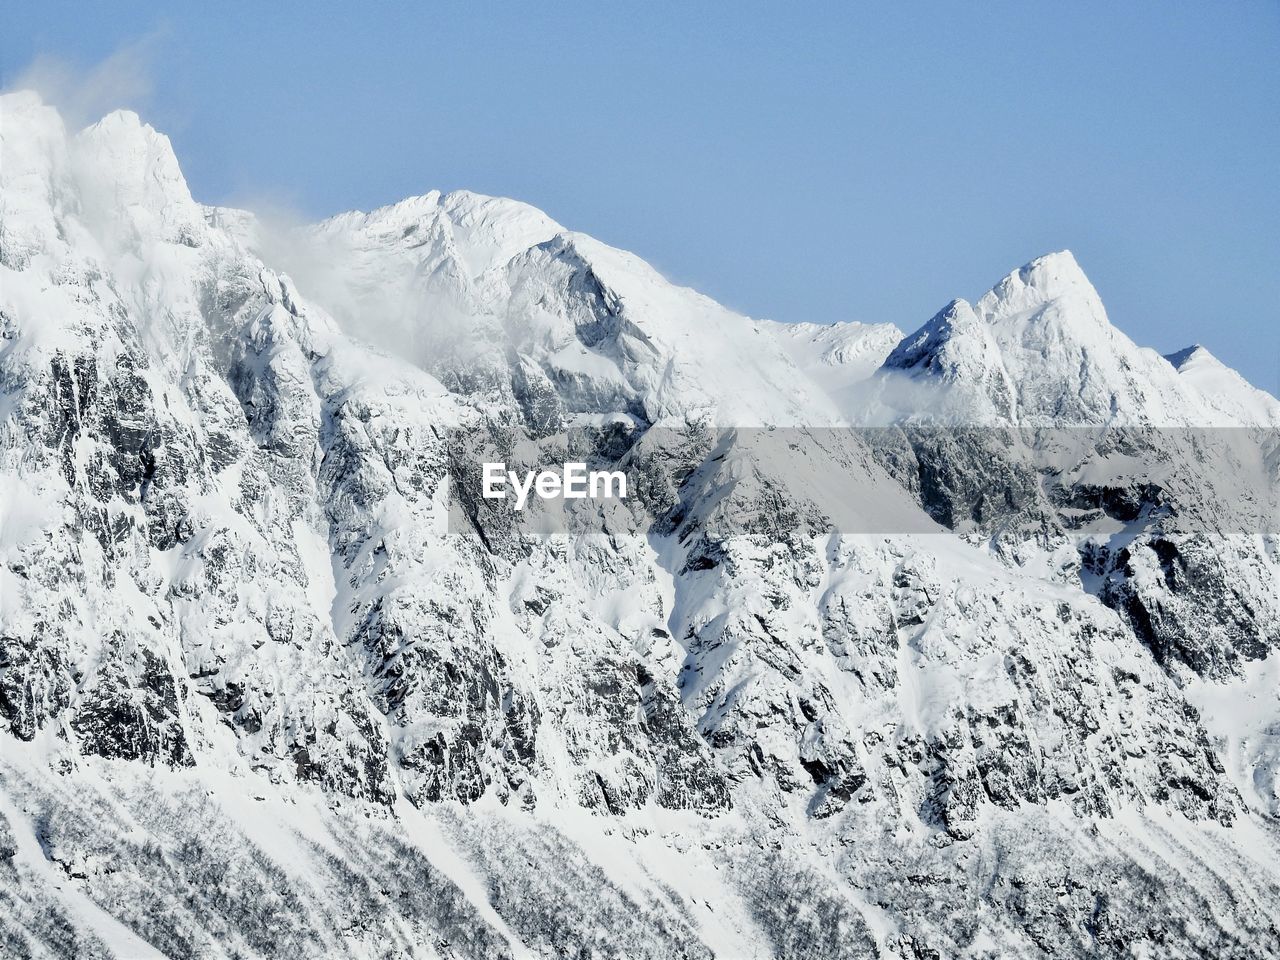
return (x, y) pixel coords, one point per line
(257, 699)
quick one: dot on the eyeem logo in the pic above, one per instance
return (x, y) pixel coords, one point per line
(572, 482)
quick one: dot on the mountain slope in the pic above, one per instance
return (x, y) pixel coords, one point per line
(264, 692)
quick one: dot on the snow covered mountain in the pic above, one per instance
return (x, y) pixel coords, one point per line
(260, 696)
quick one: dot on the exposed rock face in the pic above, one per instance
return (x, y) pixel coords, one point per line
(260, 694)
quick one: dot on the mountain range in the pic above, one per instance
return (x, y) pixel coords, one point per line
(263, 693)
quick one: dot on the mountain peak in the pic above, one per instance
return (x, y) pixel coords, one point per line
(124, 134)
(124, 119)
(955, 347)
(21, 101)
(1230, 396)
(1053, 272)
(130, 174)
(1062, 260)
(1194, 354)
(922, 348)
(32, 134)
(485, 231)
(1055, 276)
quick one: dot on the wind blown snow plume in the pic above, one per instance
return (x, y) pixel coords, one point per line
(272, 683)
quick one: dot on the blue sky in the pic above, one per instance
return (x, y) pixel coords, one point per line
(844, 161)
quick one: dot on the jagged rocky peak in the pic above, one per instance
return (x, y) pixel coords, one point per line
(952, 343)
(1045, 310)
(128, 174)
(956, 350)
(114, 184)
(1067, 361)
(1015, 351)
(1053, 277)
(1040, 346)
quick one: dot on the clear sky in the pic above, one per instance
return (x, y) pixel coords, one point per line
(798, 162)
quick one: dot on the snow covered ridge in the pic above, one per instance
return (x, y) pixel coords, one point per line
(257, 700)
